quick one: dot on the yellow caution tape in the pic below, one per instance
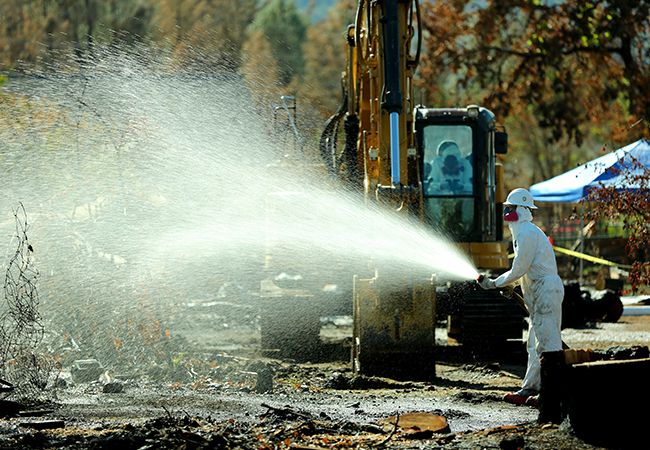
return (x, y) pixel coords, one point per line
(590, 258)
(585, 257)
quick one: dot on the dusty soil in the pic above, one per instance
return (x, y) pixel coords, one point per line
(249, 402)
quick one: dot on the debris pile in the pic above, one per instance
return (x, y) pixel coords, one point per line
(290, 410)
(581, 306)
(286, 429)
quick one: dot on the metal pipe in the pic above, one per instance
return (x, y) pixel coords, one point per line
(394, 148)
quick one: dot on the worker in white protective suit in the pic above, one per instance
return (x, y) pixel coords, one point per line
(535, 268)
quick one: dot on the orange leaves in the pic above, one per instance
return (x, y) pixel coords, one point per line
(631, 208)
(566, 63)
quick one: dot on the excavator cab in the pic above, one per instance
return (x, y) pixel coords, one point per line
(462, 196)
(457, 149)
(448, 178)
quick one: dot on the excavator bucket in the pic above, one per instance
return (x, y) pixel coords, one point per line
(394, 328)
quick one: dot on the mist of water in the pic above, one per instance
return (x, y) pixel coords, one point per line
(145, 190)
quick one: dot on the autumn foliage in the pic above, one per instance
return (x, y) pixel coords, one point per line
(572, 62)
(631, 207)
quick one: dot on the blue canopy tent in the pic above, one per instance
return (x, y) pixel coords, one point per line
(574, 185)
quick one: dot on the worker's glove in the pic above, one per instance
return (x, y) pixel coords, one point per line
(487, 283)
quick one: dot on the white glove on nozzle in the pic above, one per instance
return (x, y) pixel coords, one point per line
(486, 283)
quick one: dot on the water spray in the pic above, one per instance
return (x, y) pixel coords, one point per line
(175, 207)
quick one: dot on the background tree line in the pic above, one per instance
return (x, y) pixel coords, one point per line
(558, 74)
(566, 78)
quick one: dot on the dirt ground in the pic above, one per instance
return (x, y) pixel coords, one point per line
(249, 402)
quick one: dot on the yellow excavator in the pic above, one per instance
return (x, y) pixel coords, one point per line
(435, 164)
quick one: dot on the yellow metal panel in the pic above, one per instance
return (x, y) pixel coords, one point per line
(500, 194)
(491, 262)
(487, 255)
(489, 248)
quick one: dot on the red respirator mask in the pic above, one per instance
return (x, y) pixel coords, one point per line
(510, 214)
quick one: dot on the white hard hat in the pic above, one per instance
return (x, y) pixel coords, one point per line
(520, 197)
(447, 146)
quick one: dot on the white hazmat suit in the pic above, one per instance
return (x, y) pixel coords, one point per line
(535, 268)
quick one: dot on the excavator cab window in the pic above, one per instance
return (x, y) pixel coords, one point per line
(448, 180)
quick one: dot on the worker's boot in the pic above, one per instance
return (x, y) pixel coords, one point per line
(533, 400)
(519, 397)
